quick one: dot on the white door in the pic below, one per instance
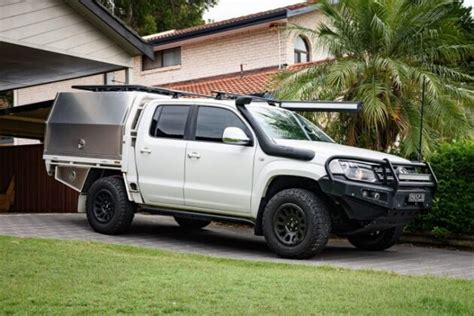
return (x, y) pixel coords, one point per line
(218, 176)
(160, 154)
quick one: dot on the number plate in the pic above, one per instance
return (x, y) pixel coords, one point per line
(416, 197)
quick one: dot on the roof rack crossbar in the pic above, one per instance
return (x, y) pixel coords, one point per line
(157, 90)
(222, 95)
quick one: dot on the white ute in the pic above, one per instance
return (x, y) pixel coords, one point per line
(244, 159)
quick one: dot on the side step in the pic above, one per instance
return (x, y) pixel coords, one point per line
(197, 215)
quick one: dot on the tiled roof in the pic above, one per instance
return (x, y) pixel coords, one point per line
(243, 83)
(249, 82)
(209, 26)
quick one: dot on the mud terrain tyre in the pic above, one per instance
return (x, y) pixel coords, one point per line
(108, 209)
(377, 241)
(296, 224)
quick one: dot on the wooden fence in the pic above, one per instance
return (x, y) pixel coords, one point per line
(35, 191)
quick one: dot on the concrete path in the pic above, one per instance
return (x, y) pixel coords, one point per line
(240, 243)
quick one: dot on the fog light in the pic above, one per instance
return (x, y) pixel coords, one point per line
(372, 195)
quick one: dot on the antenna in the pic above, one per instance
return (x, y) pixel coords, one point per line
(422, 113)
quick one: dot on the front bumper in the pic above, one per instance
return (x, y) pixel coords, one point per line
(386, 203)
(363, 206)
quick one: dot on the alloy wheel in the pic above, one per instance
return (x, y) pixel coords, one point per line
(289, 224)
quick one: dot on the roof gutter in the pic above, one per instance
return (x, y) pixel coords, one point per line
(272, 16)
(119, 27)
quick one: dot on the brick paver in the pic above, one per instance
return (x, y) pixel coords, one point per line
(240, 243)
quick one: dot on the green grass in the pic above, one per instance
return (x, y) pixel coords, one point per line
(64, 277)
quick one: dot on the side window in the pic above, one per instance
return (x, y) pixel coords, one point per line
(169, 121)
(211, 123)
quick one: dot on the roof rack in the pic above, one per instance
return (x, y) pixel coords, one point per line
(157, 90)
(223, 95)
(240, 99)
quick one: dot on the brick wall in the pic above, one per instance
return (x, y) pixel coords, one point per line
(48, 91)
(310, 21)
(254, 49)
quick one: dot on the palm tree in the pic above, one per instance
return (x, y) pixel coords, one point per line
(385, 53)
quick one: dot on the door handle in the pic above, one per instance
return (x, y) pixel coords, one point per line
(194, 155)
(145, 150)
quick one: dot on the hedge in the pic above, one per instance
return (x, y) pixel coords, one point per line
(453, 206)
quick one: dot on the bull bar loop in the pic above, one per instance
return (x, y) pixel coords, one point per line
(386, 163)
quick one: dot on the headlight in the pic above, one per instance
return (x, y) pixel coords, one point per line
(353, 170)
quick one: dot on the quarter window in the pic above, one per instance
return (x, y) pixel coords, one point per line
(163, 58)
(169, 121)
(301, 50)
(211, 123)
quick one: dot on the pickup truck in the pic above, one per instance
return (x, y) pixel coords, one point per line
(130, 149)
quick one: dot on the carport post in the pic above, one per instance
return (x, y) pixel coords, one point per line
(128, 75)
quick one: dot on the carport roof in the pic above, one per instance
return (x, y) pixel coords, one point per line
(25, 63)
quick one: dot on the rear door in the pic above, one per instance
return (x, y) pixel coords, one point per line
(160, 153)
(218, 175)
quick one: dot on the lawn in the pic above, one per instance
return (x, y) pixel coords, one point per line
(65, 277)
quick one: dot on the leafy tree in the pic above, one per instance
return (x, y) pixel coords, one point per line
(6, 99)
(151, 16)
(386, 52)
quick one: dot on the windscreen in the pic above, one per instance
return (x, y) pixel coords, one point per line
(283, 124)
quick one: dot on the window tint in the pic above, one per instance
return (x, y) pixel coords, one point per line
(211, 123)
(169, 121)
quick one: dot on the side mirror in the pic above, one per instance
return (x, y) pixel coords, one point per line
(235, 136)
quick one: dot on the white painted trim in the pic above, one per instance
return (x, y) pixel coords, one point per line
(64, 52)
(15, 97)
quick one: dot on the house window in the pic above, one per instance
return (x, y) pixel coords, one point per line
(302, 50)
(163, 58)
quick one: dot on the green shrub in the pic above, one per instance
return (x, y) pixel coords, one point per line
(453, 207)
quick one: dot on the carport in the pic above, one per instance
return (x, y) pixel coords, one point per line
(53, 40)
(49, 41)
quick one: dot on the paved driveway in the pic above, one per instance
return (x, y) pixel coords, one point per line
(240, 243)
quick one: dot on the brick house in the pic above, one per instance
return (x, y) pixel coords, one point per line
(237, 55)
